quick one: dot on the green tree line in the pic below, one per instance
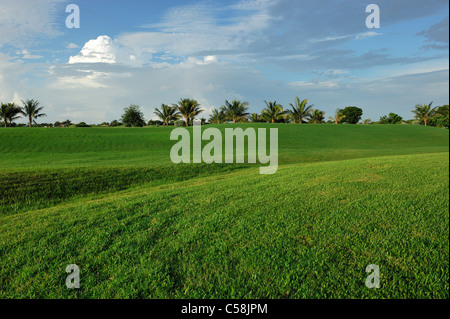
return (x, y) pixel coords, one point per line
(186, 110)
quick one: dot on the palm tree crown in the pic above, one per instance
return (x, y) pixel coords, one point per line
(255, 118)
(424, 112)
(300, 111)
(338, 117)
(167, 113)
(32, 110)
(317, 116)
(4, 113)
(189, 109)
(235, 111)
(217, 117)
(9, 112)
(273, 112)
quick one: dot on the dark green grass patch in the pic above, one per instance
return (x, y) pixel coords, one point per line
(308, 231)
(25, 190)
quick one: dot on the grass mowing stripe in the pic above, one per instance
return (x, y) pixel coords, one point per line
(24, 190)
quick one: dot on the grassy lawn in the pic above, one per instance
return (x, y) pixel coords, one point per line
(34, 148)
(110, 201)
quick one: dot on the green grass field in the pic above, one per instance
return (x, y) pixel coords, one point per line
(138, 226)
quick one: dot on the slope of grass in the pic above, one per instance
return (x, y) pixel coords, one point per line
(308, 231)
(24, 190)
(112, 147)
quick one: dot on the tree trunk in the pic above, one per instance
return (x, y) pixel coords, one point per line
(273, 121)
(29, 121)
(187, 121)
(425, 120)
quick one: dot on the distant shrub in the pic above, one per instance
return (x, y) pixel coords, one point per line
(179, 123)
(82, 124)
(392, 118)
(157, 123)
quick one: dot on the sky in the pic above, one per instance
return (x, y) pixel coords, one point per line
(152, 52)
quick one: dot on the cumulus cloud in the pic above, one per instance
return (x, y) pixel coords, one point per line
(100, 50)
(103, 49)
(106, 50)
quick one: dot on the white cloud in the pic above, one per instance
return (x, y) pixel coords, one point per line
(22, 21)
(11, 78)
(198, 29)
(72, 46)
(185, 34)
(362, 36)
(314, 84)
(100, 50)
(92, 80)
(109, 51)
(210, 59)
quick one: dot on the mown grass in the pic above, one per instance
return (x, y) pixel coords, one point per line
(110, 201)
(308, 231)
(35, 148)
(24, 190)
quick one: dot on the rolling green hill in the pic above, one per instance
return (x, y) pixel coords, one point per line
(110, 201)
(111, 147)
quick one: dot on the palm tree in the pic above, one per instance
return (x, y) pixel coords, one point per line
(317, 116)
(217, 117)
(255, 118)
(235, 111)
(167, 113)
(14, 112)
(9, 112)
(273, 112)
(67, 122)
(424, 112)
(338, 117)
(300, 111)
(189, 109)
(32, 110)
(4, 113)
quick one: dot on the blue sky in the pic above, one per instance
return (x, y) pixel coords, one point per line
(152, 52)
